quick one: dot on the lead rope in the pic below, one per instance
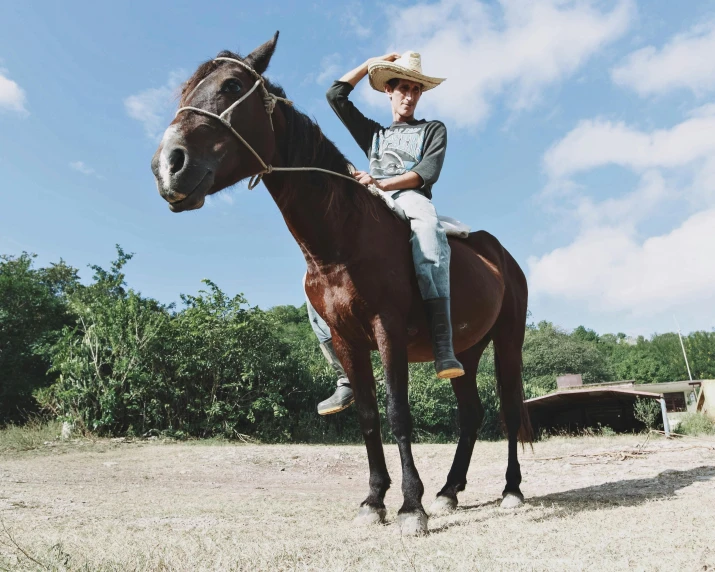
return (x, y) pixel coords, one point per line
(269, 101)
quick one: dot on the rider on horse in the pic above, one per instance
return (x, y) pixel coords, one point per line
(405, 161)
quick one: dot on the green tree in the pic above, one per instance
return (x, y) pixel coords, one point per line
(652, 360)
(701, 353)
(32, 310)
(550, 352)
(126, 364)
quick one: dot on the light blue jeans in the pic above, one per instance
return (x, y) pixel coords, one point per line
(430, 252)
(321, 329)
(430, 249)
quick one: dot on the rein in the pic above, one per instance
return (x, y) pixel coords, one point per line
(269, 101)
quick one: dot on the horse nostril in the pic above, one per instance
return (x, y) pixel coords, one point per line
(176, 160)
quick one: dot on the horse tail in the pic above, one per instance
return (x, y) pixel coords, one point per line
(518, 292)
(508, 337)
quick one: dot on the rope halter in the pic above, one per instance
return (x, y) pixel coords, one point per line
(269, 101)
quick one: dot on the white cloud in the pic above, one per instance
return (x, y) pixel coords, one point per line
(685, 62)
(627, 211)
(616, 262)
(596, 142)
(80, 167)
(153, 106)
(223, 200)
(225, 197)
(353, 19)
(12, 96)
(610, 269)
(330, 69)
(518, 48)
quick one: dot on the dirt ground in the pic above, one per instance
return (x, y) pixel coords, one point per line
(592, 503)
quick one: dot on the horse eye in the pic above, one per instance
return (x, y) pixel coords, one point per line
(231, 86)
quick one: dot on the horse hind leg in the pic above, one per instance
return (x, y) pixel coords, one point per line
(508, 365)
(508, 338)
(471, 416)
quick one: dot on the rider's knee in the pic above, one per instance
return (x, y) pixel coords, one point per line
(427, 226)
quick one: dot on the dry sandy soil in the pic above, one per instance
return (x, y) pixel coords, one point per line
(593, 503)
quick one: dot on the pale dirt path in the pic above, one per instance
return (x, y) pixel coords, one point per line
(149, 506)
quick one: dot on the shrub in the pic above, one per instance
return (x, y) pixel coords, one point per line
(229, 373)
(109, 361)
(433, 405)
(647, 411)
(130, 365)
(696, 424)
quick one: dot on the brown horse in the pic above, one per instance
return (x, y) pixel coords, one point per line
(360, 277)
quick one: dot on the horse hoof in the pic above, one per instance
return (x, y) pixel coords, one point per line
(369, 515)
(442, 506)
(412, 523)
(512, 500)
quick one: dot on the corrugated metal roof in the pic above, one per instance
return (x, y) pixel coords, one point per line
(670, 386)
(571, 396)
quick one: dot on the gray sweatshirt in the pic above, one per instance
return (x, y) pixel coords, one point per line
(418, 146)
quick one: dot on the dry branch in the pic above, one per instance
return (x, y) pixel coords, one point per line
(20, 548)
(625, 454)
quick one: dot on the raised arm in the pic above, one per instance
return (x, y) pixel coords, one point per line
(360, 127)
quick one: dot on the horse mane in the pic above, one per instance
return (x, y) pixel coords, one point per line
(306, 144)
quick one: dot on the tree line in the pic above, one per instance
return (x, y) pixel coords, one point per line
(114, 362)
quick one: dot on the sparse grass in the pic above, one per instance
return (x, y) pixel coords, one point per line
(598, 431)
(33, 435)
(153, 505)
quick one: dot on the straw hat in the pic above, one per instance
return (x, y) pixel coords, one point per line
(408, 66)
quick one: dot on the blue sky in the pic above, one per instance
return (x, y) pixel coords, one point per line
(580, 134)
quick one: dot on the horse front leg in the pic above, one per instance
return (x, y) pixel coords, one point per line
(358, 368)
(392, 344)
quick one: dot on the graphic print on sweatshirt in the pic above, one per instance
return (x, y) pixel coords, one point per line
(396, 150)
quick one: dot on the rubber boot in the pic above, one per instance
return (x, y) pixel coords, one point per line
(440, 326)
(343, 396)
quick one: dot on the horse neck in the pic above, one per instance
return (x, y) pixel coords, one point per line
(321, 211)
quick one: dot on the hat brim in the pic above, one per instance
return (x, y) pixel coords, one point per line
(382, 72)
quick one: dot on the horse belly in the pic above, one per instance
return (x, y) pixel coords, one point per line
(477, 291)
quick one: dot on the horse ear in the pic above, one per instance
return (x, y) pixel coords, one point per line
(259, 58)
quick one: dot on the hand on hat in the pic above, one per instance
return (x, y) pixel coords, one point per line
(386, 58)
(354, 76)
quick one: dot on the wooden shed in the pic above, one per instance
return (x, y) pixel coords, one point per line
(588, 407)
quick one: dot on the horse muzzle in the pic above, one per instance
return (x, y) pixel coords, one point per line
(181, 180)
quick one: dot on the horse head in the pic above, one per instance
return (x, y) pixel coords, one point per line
(222, 133)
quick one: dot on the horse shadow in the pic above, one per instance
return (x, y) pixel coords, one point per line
(627, 492)
(623, 493)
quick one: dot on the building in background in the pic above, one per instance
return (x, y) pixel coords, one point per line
(706, 399)
(575, 406)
